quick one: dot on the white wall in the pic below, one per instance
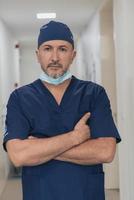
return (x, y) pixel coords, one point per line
(8, 76)
(29, 67)
(88, 50)
(124, 40)
(109, 79)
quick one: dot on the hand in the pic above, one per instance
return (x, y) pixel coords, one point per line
(82, 130)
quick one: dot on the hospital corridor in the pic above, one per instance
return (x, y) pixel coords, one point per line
(103, 39)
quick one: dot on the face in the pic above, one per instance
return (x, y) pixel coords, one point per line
(55, 57)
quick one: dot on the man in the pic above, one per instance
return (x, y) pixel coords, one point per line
(59, 128)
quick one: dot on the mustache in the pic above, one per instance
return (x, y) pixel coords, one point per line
(55, 64)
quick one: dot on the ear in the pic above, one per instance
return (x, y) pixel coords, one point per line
(73, 55)
(37, 54)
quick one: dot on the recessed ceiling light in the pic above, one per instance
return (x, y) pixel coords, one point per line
(46, 15)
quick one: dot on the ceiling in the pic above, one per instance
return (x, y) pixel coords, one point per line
(20, 15)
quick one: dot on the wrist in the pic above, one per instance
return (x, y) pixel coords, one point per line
(73, 138)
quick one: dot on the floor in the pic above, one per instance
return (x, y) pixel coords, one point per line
(13, 191)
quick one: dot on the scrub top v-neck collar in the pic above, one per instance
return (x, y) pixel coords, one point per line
(65, 97)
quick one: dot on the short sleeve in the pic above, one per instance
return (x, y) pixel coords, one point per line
(101, 121)
(17, 125)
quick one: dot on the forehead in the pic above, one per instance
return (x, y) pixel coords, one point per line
(56, 43)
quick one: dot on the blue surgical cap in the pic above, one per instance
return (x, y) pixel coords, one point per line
(55, 31)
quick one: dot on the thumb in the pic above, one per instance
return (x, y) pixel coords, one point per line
(85, 118)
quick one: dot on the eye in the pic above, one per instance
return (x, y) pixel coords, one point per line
(47, 48)
(63, 49)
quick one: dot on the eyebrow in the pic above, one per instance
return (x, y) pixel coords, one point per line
(48, 45)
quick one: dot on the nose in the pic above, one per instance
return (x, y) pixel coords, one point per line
(55, 56)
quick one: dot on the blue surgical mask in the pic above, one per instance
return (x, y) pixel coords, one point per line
(55, 81)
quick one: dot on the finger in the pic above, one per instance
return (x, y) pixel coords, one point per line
(85, 118)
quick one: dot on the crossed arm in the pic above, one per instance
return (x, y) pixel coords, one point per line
(75, 146)
(32, 152)
(93, 151)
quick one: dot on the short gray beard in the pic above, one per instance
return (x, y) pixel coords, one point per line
(55, 75)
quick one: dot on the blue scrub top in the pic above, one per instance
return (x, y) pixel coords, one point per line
(32, 110)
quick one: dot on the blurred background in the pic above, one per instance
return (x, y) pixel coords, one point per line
(103, 32)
